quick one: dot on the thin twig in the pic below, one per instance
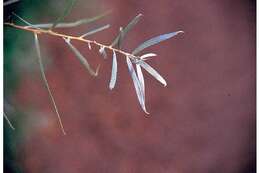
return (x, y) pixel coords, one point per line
(56, 34)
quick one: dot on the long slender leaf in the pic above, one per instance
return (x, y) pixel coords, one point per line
(143, 57)
(114, 72)
(95, 31)
(140, 77)
(137, 84)
(82, 59)
(153, 72)
(125, 30)
(10, 2)
(121, 37)
(37, 45)
(24, 21)
(9, 122)
(72, 24)
(65, 13)
(155, 40)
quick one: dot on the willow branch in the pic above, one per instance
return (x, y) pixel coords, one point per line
(77, 38)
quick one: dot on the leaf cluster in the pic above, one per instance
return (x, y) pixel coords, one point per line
(135, 62)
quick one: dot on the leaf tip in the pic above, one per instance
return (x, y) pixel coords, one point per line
(97, 70)
(111, 87)
(147, 113)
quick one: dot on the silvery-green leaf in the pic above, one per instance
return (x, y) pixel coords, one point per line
(82, 59)
(120, 40)
(9, 122)
(37, 45)
(126, 29)
(72, 24)
(137, 85)
(147, 55)
(116, 41)
(10, 2)
(95, 31)
(23, 20)
(114, 72)
(153, 72)
(140, 77)
(65, 13)
(154, 41)
(102, 51)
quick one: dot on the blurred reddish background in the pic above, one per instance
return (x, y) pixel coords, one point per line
(203, 121)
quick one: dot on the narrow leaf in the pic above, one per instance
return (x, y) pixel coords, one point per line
(65, 13)
(125, 30)
(155, 40)
(140, 77)
(37, 45)
(143, 57)
(10, 2)
(72, 24)
(95, 31)
(137, 85)
(120, 40)
(9, 122)
(114, 72)
(82, 59)
(24, 21)
(153, 72)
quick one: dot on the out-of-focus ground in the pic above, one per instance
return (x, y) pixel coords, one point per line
(203, 121)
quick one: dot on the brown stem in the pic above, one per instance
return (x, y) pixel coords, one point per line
(56, 34)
